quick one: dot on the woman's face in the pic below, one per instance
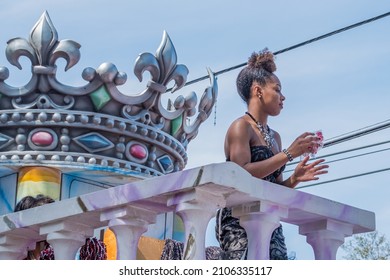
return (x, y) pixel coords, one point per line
(272, 97)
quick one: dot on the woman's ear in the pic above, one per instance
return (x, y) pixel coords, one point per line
(257, 91)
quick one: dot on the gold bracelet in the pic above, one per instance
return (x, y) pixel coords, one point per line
(289, 156)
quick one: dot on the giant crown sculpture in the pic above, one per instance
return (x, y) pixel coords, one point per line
(96, 126)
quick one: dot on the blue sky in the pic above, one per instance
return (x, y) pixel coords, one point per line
(339, 84)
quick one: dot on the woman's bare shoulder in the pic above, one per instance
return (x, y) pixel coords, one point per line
(238, 126)
(240, 123)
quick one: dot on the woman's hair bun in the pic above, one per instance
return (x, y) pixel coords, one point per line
(262, 60)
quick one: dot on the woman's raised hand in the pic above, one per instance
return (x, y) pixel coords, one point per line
(304, 144)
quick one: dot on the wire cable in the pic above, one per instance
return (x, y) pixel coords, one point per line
(345, 178)
(357, 130)
(293, 47)
(347, 137)
(354, 134)
(328, 143)
(346, 151)
(359, 155)
(350, 157)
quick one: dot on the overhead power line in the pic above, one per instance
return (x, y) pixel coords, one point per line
(349, 157)
(358, 130)
(347, 137)
(294, 46)
(359, 133)
(345, 178)
(359, 155)
(352, 135)
(354, 149)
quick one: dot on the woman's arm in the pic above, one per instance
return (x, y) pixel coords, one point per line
(237, 149)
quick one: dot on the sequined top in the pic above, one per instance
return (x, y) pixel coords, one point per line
(259, 153)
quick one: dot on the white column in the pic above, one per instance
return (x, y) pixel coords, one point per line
(66, 238)
(259, 219)
(128, 224)
(196, 208)
(127, 233)
(14, 247)
(65, 244)
(325, 236)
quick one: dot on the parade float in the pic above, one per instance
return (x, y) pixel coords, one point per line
(115, 162)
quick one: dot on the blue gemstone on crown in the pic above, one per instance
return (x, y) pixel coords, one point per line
(94, 142)
(165, 164)
(4, 140)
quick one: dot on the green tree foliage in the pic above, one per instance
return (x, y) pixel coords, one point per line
(367, 246)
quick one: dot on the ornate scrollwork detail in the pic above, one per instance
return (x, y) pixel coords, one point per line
(43, 101)
(205, 107)
(42, 49)
(143, 117)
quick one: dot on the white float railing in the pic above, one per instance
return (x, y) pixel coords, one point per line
(195, 195)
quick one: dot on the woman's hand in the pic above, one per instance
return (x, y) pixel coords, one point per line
(303, 144)
(308, 172)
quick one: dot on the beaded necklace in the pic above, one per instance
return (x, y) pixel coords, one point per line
(264, 130)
